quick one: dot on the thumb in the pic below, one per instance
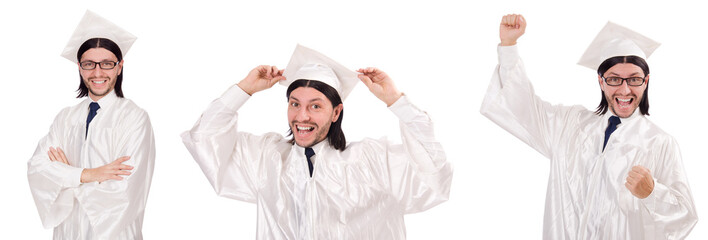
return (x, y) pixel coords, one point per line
(275, 80)
(365, 79)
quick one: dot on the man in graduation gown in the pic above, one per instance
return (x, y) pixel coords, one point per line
(315, 185)
(91, 174)
(614, 174)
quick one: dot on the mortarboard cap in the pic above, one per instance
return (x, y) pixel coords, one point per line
(95, 26)
(615, 40)
(309, 64)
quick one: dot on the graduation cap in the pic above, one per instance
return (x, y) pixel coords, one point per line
(615, 40)
(309, 64)
(94, 26)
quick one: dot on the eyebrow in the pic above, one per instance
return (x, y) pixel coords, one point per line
(104, 60)
(631, 75)
(313, 100)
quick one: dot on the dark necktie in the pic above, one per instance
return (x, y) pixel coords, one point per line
(93, 107)
(309, 153)
(614, 120)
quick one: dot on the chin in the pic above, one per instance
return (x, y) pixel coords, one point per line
(303, 144)
(624, 114)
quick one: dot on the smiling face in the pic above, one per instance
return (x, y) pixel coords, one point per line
(623, 100)
(99, 81)
(310, 114)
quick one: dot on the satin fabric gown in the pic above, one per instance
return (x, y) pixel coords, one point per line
(586, 196)
(109, 210)
(359, 193)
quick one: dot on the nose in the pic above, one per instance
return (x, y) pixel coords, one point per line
(302, 115)
(623, 88)
(97, 72)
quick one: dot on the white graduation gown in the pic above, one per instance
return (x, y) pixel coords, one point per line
(359, 193)
(109, 210)
(586, 197)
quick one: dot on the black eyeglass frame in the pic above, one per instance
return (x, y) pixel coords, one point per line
(644, 79)
(99, 64)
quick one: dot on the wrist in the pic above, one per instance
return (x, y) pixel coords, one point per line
(508, 43)
(394, 99)
(86, 175)
(249, 91)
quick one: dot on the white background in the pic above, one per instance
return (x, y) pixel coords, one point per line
(440, 54)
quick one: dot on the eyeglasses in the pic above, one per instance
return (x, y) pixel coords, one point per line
(105, 65)
(617, 81)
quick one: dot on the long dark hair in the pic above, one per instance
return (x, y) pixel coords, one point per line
(609, 63)
(335, 135)
(108, 45)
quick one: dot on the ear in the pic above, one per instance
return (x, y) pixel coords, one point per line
(599, 81)
(646, 80)
(120, 67)
(336, 111)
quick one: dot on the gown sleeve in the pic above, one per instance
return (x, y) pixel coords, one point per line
(670, 205)
(228, 158)
(420, 174)
(115, 204)
(52, 182)
(511, 103)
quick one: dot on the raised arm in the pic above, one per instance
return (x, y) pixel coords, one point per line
(419, 172)
(228, 157)
(511, 102)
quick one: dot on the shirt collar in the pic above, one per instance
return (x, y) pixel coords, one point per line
(635, 115)
(317, 148)
(106, 101)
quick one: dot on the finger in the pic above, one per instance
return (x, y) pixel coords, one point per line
(261, 69)
(380, 76)
(522, 22)
(121, 173)
(115, 177)
(273, 71)
(125, 167)
(269, 70)
(53, 154)
(508, 20)
(62, 156)
(51, 157)
(121, 159)
(641, 170)
(365, 79)
(628, 186)
(367, 70)
(649, 183)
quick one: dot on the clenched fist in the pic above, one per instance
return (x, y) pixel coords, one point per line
(512, 26)
(640, 182)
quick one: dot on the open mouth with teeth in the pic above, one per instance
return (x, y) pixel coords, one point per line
(624, 103)
(304, 131)
(98, 83)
